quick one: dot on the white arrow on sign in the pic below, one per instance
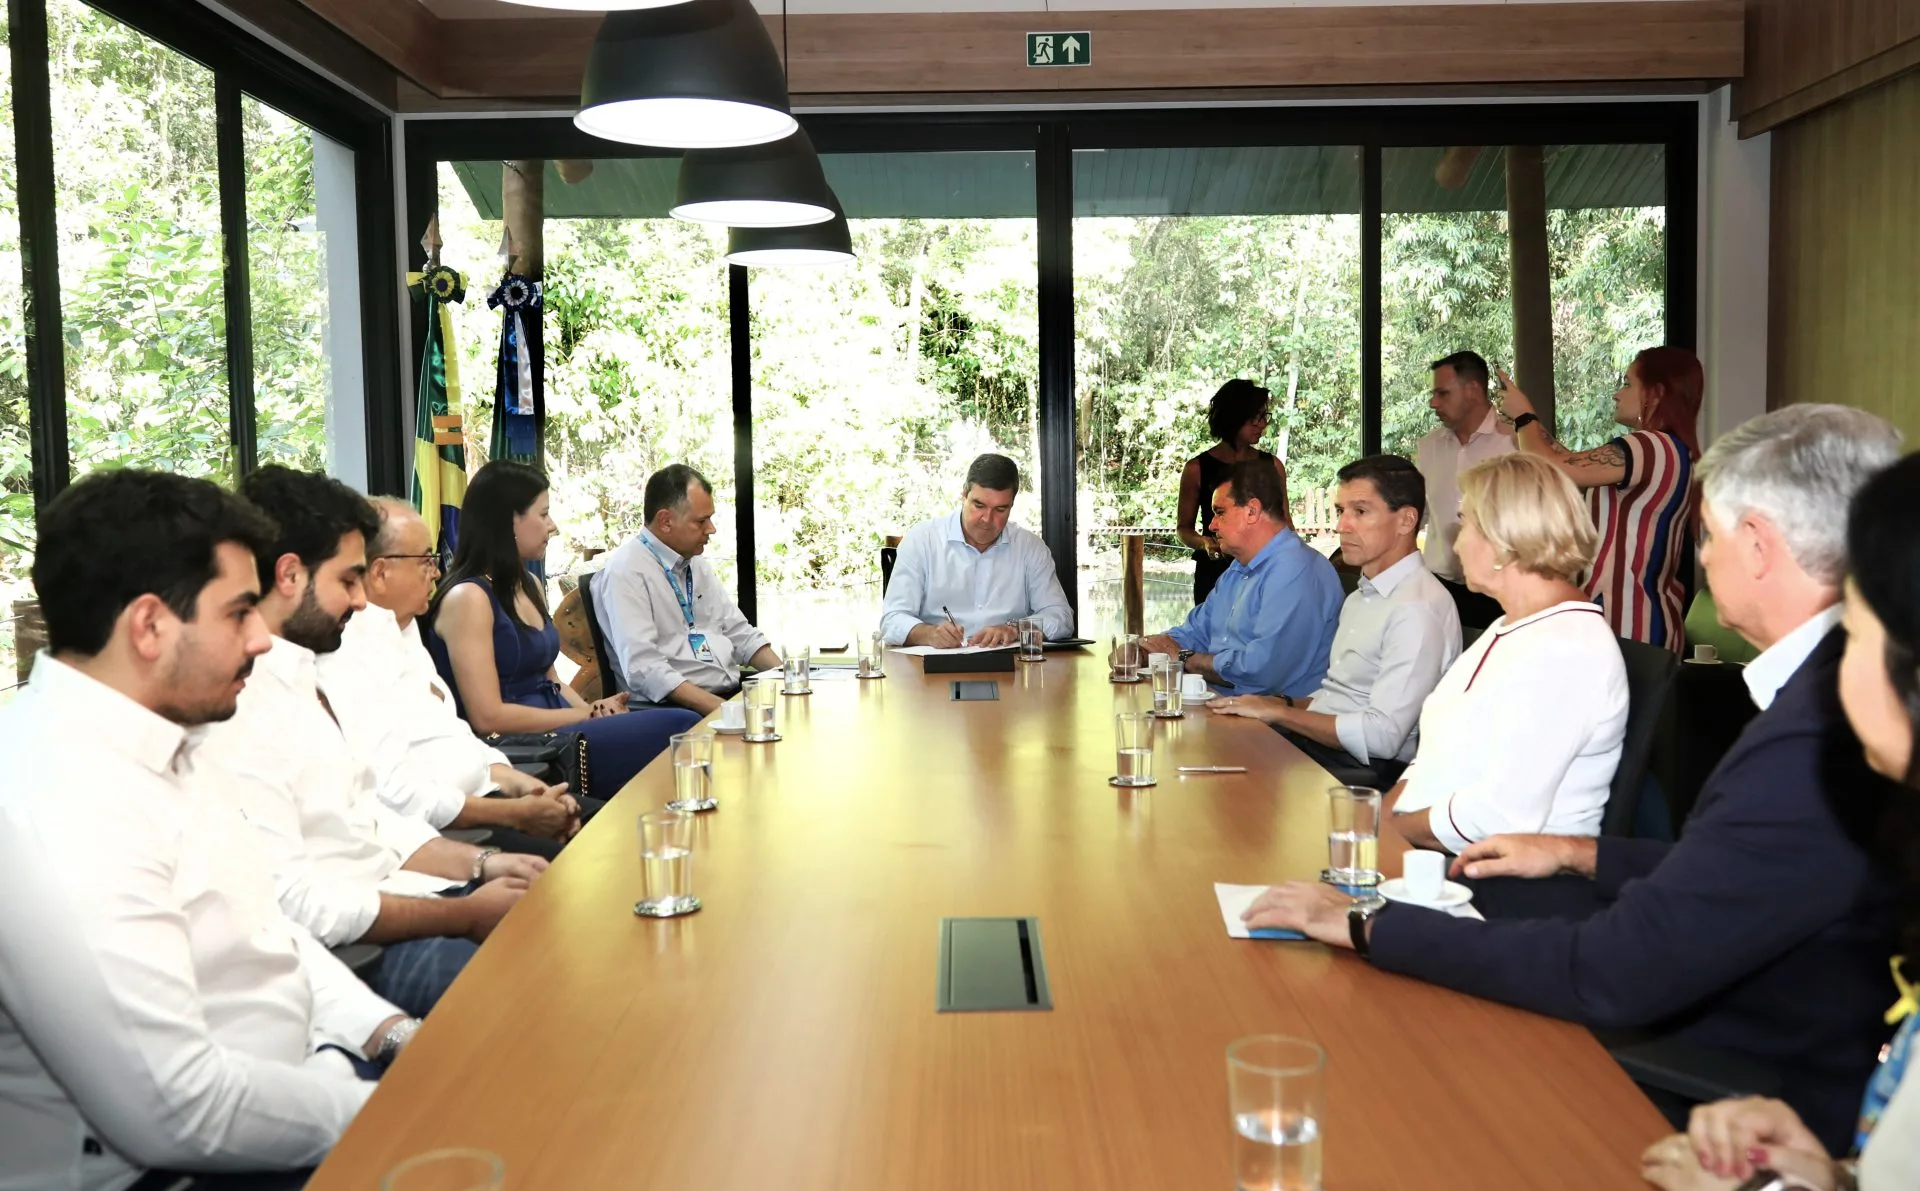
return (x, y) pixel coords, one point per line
(1072, 46)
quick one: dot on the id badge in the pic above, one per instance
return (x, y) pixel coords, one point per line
(702, 652)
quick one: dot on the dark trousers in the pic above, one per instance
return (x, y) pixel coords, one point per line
(1476, 611)
(508, 840)
(414, 975)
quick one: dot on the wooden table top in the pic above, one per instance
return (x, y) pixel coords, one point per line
(786, 1036)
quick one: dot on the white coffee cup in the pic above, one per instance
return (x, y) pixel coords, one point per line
(1162, 661)
(733, 714)
(1193, 686)
(1706, 654)
(1424, 874)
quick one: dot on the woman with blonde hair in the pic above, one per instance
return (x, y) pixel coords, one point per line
(1524, 731)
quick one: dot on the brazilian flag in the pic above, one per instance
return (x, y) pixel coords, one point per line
(439, 437)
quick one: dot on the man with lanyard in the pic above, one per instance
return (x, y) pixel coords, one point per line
(673, 634)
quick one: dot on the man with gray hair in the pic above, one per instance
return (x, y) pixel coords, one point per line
(1764, 932)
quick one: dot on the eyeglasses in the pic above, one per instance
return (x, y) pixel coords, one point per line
(427, 562)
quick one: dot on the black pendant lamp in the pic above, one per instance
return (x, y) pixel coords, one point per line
(828, 243)
(697, 75)
(779, 184)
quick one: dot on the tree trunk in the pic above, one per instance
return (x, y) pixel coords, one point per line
(523, 208)
(1532, 277)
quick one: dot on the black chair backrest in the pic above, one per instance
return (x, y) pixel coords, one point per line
(1650, 671)
(887, 556)
(1469, 635)
(610, 682)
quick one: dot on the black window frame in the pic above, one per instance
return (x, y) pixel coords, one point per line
(242, 65)
(1052, 136)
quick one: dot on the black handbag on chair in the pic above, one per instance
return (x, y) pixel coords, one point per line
(553, 757)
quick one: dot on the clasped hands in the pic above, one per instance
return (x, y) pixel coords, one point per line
(1726, 1142)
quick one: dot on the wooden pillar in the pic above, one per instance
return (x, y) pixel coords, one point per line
(523, 196)
(1133, 581)
(1531, 276)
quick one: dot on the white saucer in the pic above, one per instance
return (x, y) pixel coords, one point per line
(726, 731)
(1206, 698)
(1451, 894)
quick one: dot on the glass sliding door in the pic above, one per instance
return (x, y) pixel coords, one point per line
(638, 371)
(1192, 267)
(1447, 284)
(875, 384)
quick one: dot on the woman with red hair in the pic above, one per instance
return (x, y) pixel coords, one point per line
(1642, 485)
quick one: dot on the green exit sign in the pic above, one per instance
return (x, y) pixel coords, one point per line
(1060, 49)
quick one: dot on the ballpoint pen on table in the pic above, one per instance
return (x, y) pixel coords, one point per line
(1212, 769)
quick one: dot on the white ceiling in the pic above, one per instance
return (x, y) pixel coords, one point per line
(501, 8)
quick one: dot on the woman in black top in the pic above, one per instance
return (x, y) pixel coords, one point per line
(1237, 416)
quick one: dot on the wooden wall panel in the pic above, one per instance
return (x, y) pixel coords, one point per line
(1845, 288)
(1804, 54)
(1564, 45)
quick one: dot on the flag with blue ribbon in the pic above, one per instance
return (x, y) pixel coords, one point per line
(439, 435)
(515, 427)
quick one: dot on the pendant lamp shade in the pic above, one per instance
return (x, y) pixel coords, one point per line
(696, 75)
(779, 184)
(829, 243)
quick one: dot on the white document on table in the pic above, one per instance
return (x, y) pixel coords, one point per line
(921, 651)
(1234, 900)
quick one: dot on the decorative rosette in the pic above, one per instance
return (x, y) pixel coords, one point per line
(446, 285)
(516, 292)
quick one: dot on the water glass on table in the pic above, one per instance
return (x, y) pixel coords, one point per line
(448, 1170)
(1276, 1093)
(1033, 640)
(797, 669)
(666, 865)
(1165, 671)
(873, 656)
(1125, 658)
(1133, 740)
(761, 697)
(1353, 837)
(692, 772)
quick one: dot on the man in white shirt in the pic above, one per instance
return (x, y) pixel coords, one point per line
(967, 578)
(157, 1010)
(1470, 432)
(674, 634)
(1398, 633)
(347, 868)
(399, 718)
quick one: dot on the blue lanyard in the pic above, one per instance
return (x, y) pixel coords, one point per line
(1895, 1062)
(685, 598)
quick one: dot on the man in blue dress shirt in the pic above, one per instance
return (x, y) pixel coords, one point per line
(1267, 626)
(964, 579)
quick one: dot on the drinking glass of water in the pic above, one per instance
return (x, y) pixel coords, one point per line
(1133, 737)
(1353, 836)
(666, 865)
(761, 697)
(873, 655)
(1165, 671)
(1276, 1091)
(692, 772)
(448, 1170)
(1126, 658)
(1033, 640)
(798, 670)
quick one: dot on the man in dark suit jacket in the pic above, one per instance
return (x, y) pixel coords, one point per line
(1766, 930)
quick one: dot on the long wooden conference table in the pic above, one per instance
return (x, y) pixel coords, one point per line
(787, 1036)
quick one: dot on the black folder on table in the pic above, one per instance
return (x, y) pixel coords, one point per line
(985, 661)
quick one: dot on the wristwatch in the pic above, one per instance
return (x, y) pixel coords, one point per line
(1358, 915)
(480, 862)
(1523, 421)
(1184, 655)
(396, 1037)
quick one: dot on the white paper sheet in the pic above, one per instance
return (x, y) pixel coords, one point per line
(921, 651)
(1234, 900)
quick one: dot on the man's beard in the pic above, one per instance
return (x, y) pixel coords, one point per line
(310, 627)
(192, 715)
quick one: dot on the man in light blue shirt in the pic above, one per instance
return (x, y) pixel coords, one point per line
(964, 579)
(1267, 626)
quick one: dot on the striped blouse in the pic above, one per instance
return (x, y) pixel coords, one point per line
(1644, 523)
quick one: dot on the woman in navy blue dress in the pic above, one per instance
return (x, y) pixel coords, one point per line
(495, 642)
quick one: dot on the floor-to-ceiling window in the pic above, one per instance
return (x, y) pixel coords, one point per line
(1194, 266)
(1070, 289)
(877, 382)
